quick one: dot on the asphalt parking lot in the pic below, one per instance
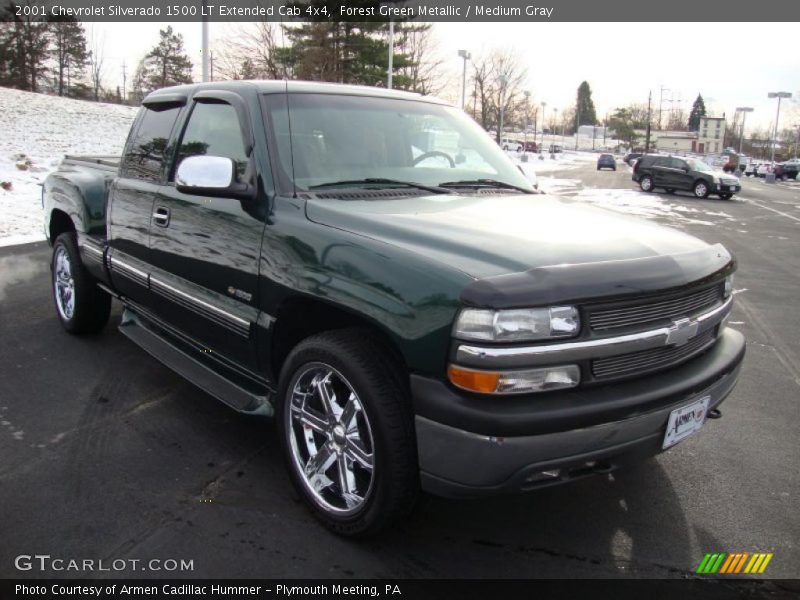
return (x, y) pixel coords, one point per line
(107, 455)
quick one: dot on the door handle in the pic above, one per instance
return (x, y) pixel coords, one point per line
(161, 216)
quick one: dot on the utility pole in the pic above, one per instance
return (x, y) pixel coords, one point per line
(544, 106)
(391, 56)
(527, 126)
(503, 82)
(211, 60)
(577, 121)
(744, 110)
(204, 48)
(779, 96)
(647, 137)
(605, 128)
(124, 82)
(466, 56)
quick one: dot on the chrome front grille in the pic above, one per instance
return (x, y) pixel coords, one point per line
(649, 312)
(646, 361)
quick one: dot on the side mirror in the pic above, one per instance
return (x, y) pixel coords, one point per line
(210, 176)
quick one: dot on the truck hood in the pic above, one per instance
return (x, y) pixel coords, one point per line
(488, 236)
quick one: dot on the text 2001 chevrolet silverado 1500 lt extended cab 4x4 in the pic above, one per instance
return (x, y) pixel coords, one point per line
(371, 268)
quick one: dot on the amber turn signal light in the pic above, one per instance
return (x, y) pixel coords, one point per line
(484, 382)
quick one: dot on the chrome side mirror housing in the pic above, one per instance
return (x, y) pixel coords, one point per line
(204, 174)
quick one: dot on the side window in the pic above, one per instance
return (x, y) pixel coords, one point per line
(214, 130)
(677, 163)
(144, 158)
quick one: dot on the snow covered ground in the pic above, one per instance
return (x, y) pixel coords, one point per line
(36, 131)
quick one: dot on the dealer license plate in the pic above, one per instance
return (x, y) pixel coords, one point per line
(685, 421)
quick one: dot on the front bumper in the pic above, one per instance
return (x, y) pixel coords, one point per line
(722, 188)
(470, 445)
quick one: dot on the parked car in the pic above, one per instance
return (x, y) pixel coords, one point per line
(606, 161)
(531, 147)
(556, 148)
(408, 322)
(509, 144)
(631, 156)
(764, 169)
(676, 173)
(751, 169)
(787, 170)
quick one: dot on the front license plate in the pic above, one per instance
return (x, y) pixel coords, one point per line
(685, 421)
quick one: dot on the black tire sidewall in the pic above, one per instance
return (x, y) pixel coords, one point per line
(92, 305)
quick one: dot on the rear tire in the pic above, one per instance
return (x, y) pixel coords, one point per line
(646, 184)
(700, 189)
(368, 476)
(81, 306)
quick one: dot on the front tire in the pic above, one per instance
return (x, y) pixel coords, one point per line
(346, 427)
(700, 189)
(646, 184)
(81, 306)
(726, 196)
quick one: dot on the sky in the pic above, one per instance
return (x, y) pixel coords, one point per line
(731, 64)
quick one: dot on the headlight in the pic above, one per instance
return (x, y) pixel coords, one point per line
(728, 289)
(515, 382)
(517, 324)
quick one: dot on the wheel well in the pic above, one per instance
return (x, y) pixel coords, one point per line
(700, 180)
(59, 223)
(298, 319)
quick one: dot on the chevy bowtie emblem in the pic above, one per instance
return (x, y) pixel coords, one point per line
(681, 332)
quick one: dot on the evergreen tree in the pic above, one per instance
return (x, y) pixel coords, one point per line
(344, 51)
(24, 50)
(698, 110)
(68, 51)
(585, 105)
(165, 65)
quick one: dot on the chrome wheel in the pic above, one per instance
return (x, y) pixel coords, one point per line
(700, 190)
(64, 284)
(330, 439)
(647, 184)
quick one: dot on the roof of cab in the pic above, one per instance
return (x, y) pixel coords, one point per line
(280, 86)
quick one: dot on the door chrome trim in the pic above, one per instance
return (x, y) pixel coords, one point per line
(203, 308)
(505, 357)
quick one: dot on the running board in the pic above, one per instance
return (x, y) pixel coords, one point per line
(136, 330)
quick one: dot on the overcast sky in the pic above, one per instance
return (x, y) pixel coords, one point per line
(731, 64)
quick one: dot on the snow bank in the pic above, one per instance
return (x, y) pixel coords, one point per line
(36, 131)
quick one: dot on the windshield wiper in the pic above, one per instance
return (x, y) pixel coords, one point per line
(485, 183)
(383, 181)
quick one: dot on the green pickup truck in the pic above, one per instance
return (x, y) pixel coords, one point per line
(371, 269)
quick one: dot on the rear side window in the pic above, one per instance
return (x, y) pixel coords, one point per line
(145, 156)
(214, 130)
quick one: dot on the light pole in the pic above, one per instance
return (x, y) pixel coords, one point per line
(555, 126)
(204, 43)
(779, 96)
(466, 56)
(390, 67)
(744, 110)
(544, 105)
(503, 82)
(527, 125)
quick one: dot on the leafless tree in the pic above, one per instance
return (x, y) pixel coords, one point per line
(499, 81)
(249, 53)
(96, 60)
(424, 70)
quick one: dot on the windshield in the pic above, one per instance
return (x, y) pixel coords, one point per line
(341, 138)
(699, 165)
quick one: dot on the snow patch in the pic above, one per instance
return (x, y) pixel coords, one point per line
(38, 130)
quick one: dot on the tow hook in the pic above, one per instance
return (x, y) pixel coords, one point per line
(714, 413)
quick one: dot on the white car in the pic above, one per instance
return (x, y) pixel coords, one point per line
(509, 144)
(751, 168)
(764, 169)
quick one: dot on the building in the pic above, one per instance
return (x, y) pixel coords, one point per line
(710, 135)
(677, 141)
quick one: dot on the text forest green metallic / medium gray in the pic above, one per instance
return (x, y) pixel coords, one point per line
(356, 225)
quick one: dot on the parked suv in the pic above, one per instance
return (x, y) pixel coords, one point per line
(606, 161)
(675, 173)
(631, 157)
(509, 144)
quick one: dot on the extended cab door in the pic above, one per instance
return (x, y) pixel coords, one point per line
(204, 250)
(132, 195)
